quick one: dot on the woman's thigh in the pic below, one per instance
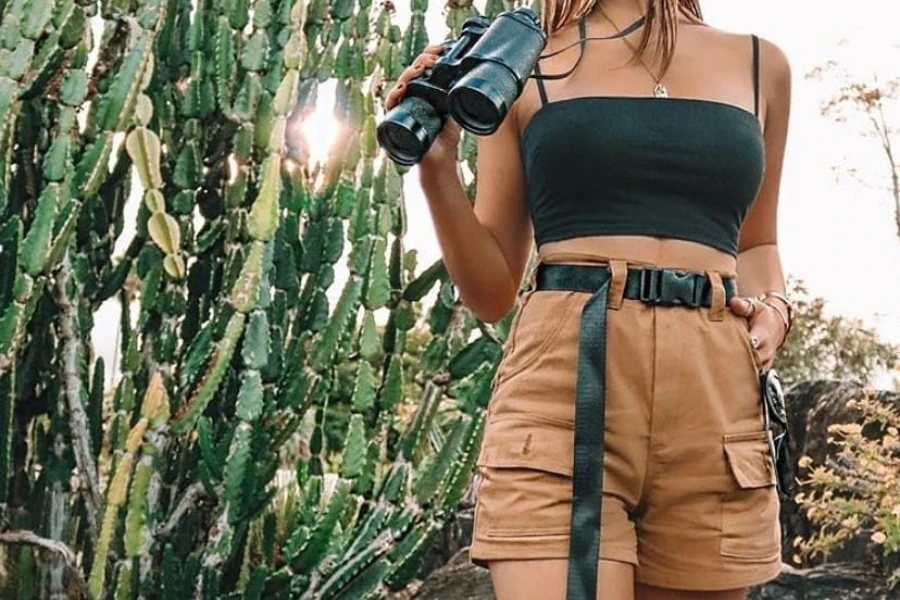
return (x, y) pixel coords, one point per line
(546, 579)
(648, 592)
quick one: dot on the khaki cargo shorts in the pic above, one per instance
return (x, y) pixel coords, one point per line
(689, 494)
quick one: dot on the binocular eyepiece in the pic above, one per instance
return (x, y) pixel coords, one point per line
(476, 79)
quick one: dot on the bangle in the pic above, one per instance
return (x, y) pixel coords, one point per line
(788, 318)
(784, 319)
(779, 296)
(787, 303)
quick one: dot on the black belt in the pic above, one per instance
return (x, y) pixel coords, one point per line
(662, 287)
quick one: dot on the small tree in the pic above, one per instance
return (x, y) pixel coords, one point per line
(830, 347)
(857, 491)
(870, 99)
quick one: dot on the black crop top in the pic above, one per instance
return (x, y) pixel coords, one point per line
(664, 167)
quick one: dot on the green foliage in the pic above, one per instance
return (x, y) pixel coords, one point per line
(821, 346)
(265, 430)
(857, 492)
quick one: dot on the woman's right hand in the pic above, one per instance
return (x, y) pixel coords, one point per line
(442, 153)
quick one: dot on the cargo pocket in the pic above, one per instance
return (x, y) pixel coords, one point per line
(525, 474)
(542, 315)
(750, 524)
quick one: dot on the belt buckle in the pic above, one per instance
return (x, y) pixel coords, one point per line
(650, 285)
(678, 288)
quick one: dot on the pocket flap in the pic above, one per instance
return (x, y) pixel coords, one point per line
(749, 459)
(512, 440)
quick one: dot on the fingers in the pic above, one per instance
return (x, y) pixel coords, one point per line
(760, 346)
(743, 306)
(765, 356)
(425, 60)
(419, 65)
(453, 126)
(393, 96)
(762, 335)
(763, 340)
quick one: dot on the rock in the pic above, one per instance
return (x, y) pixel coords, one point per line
(458, 580)
(456, 536)
(825, 582)
(461, 580)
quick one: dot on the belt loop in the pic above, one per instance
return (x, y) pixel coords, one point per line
(533, 271)
(618, 273)
(717, 302)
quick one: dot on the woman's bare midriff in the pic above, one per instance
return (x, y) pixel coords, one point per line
(640, 251)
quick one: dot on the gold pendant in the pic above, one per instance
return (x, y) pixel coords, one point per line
(660, 91)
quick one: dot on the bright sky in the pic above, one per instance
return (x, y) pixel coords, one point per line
(834, 232)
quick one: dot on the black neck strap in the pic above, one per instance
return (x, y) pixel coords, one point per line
(581, 40)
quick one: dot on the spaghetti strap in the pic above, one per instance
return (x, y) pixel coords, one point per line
(540, 83)
(755, 74)
(581, 40)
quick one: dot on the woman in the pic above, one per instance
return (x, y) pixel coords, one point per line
(648, 177)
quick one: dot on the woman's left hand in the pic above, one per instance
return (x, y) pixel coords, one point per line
(765, 326)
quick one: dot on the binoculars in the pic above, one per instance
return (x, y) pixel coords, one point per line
(476, 79)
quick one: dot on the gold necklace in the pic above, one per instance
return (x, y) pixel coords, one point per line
(659, 90)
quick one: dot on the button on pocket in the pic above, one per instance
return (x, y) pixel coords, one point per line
(525, 484)
(750, 526)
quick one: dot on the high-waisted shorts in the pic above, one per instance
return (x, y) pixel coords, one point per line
(689, 495)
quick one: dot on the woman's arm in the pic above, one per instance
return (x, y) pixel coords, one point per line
(485, 249)
(759, 263)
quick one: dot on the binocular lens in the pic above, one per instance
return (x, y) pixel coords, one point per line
(408, 130)
(476, 82)
(480, 100)
(401, 143)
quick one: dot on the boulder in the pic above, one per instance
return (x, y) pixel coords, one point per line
(461, 580)
(812, 407)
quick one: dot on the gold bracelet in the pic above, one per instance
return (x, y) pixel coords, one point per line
(784, 319)
(780, 296)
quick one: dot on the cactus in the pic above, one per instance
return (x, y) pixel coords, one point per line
(157, 168)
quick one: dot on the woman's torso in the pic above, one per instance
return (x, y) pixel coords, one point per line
(614, 173)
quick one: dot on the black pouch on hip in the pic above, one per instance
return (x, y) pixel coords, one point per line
(777, 431)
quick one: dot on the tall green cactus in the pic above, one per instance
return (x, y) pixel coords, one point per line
(176, 480)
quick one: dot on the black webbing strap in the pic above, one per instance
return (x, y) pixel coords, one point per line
(583, 576)
(582, 38)
(666, 287)
(540, 83)
(655, 286)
